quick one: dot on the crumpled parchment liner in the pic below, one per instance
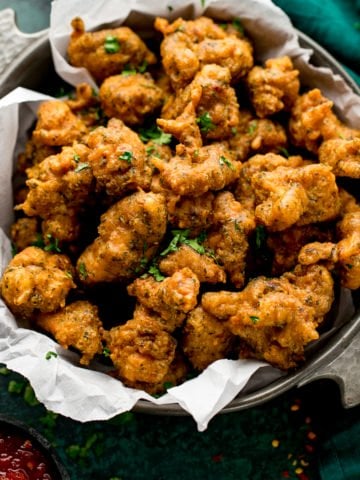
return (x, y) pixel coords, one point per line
(59, 382)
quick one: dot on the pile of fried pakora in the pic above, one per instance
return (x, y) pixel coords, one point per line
(190, 210)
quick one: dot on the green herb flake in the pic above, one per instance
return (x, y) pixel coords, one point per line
(349, 266)
(142, 68)
(81, 166)
(50, 354)
(111, 44)
(53, 245)
(82, 271)
(76, 158)
(168, 385)
(260, 236)
(224, 161)
(39, 242)
(155, 134)
(234, 131)
(254, 319)
(236, 23)
(284, 152)
(128, 70)
(126, 156)
(29, 396)
(155, 272)
(16, 387)
(14, 249)
(252, 127)
(106, 352)
(205, 122)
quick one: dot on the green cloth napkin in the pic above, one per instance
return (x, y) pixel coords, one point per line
(335, 24)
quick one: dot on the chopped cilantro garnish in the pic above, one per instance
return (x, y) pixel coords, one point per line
(77, 158)
(260, 236)
(254, 319)
(224, 161)
(181, 237)
(53, 246)
(14, 249)
(284, 152)
(128, 70)
(234, 130)
(81, 166)
(155, 134)
(205, 122)
(142, 68)
(50, 354)
(252, 127)
(111, 44)
(127, 156)
(236, 23)
(82, 271)
(39, 242)
(106, 352)
(155, 272)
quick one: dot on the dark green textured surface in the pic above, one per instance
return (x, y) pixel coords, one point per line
(236, 446)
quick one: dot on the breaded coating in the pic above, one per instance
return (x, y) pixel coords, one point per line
(217, 108)
(256, 135)
(129, 235)
(276, 317)
(274, 87)
(57, 125)
(342, 155)
(24, 232)
(344, 255)
(117, 158)
(313, 121)
(204, 267)
(301, 196)
(189, 45)
(130, 97)
(228, 237)
(215, 168)
(64, 227)
(59, 183)
(141, 351)
(205, 339)
(86, 105)
(194, 213)
(172, 298)
(106, 52)
(244, 191)
(36, 280)
(77, 325)
(286, 245)
(33, 154)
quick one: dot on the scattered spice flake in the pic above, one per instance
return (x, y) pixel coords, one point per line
(275, 443)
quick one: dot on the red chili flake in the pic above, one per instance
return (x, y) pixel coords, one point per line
(302, 476)
(309, 448)
(285, 474)
(311, 436)
(217, 458)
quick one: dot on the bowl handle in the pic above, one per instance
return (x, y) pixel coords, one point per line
(13, 42)
(344, 370)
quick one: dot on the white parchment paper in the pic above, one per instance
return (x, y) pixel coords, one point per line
(85, 394)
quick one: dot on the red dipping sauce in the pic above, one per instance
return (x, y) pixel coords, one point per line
(21, 459)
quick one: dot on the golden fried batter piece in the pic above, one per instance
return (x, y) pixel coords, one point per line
(313, 121)
(86, 105)
(228, 237)
(171, 298)
(24, 232)
(217, 108)
(117, 158)
(256, 135)
(64, 227)
(33, 154)
(130, 97)
(194, 213)
(57, 125)
(244, 191)
(106, 52)
(342, 155)
(129, 235)
(274, 87)
(188, 45)
(141, 351)
(36, 280)
(205, 339)
(276, 317)
(204, 267)
(301, 196)
(76, 325)
(59, 183)
(344, 255)
(286, 245)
